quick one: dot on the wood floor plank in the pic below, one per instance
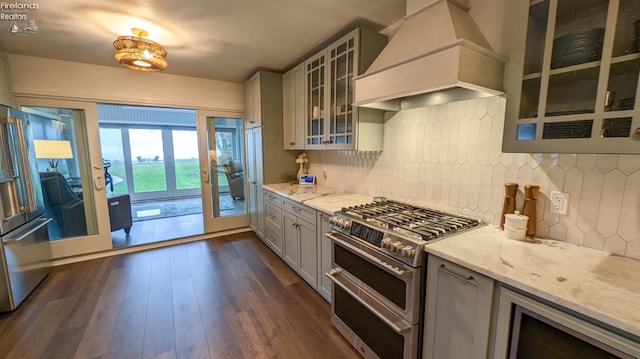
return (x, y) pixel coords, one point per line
(91, 287)
(63, 344)
(250, 334)
(159, 334)
(96, 340)
(129, 333)
(191, 341)
(229, 297)
(35, 339)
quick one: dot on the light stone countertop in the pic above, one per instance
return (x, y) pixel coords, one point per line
(321, 198)
(588, 281)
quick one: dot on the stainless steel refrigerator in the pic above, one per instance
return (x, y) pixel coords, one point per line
(25, 255)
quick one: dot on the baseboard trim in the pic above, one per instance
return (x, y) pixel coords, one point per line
(144, 247)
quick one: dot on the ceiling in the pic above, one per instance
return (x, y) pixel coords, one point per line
(216, 39)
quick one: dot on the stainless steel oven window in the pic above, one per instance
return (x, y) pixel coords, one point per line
(393, 283)
(381, 281)
(379, 337)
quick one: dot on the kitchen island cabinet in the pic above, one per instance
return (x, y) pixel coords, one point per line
(458, 312)
(572, 79)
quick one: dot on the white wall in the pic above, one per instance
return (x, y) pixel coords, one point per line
(41, 77)
(449, 157)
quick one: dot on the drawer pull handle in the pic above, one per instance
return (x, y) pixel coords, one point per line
(466, 278)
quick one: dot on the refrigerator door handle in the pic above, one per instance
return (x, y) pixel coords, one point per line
(39, 223)
(26, 170)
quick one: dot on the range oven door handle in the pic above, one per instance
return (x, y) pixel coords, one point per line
(391, 319)
(377, 261)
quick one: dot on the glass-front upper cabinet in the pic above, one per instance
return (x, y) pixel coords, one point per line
(333, 123)
(341, 59)
(315, 69)
(573, 78)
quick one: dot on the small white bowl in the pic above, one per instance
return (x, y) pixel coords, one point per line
(515, 233)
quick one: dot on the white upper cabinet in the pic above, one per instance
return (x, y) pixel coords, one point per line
(293, 107)
(6, 92)
(332, 123)
(253, 102)
(572, 80)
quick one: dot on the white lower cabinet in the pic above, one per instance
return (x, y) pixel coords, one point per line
(458, 312)
(300, 240)
(290, 250)
(324, 256)
(296, 233)
(273, 221)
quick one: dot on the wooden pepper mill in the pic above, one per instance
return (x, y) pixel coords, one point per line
(529, 208)
(509, 206)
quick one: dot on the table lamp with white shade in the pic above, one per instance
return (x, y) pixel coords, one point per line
(53, 150)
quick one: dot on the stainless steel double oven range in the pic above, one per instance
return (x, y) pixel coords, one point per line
(378, 274)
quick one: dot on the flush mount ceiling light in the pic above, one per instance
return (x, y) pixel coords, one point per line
(138, 53)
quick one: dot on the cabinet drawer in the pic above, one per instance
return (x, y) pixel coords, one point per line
(272, 199)
(273, 238)
(300, 210)
(273, 216)
(273, 234)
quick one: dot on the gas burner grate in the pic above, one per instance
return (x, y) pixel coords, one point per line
(425, 222)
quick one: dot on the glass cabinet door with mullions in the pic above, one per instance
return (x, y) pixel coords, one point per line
(576, 90)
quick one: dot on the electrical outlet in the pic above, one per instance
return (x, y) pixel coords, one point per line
(559, 202)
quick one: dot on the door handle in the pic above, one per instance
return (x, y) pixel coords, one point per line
(98, 183)
(205, 176)
(38, 224)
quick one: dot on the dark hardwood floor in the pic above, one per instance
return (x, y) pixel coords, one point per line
(228, 297)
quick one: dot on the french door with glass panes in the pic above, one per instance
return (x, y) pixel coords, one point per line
(222, 163)
(152, 162)
(74, 189)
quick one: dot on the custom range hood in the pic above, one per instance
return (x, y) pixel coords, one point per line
(438, 55)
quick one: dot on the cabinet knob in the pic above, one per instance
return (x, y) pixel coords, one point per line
(292, 143)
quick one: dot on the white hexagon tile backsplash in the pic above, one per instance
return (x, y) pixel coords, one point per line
(449, 157)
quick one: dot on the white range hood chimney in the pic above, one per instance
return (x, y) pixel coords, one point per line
(437, 55)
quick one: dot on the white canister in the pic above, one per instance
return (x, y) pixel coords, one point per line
(516, 220)
(515, 233)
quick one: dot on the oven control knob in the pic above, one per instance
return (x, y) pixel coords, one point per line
(396, 246)
(408, 251)
(386, 243)
(346, 224)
